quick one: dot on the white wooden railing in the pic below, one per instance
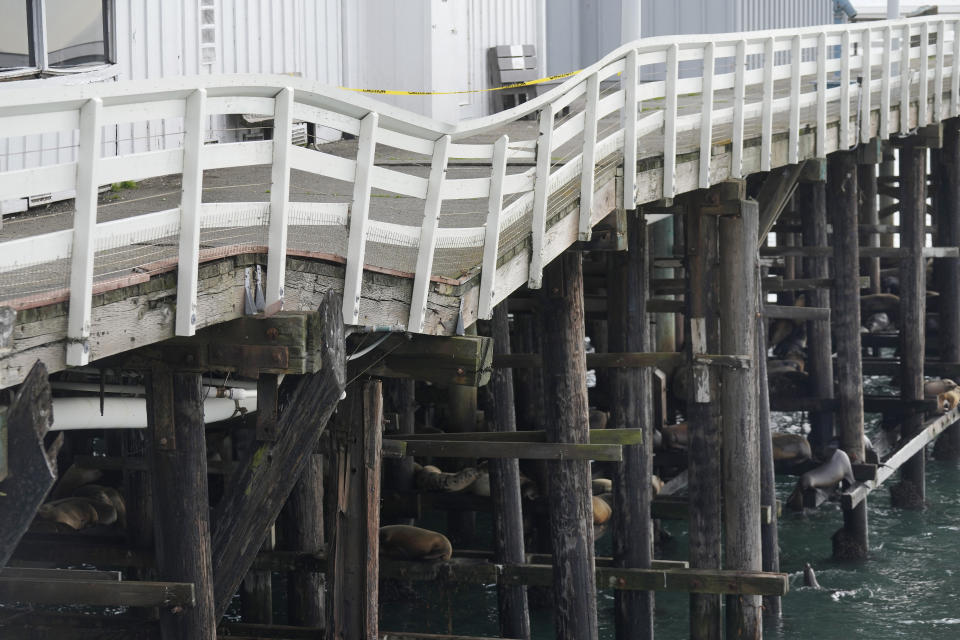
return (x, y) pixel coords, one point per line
(768, 86)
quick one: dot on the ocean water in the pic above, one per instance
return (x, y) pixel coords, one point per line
(909, 588)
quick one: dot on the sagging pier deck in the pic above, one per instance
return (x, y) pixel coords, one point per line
(476, 258)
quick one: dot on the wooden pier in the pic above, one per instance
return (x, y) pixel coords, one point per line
(203, 397)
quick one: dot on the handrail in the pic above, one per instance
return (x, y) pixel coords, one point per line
(744, 87)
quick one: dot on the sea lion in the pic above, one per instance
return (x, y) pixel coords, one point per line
(809, 577)
(431, 478)
(601, 485)
(481, 486)
(602, 509)
(790, 447)
(825, 477)
(877, 322)
(76, 513)
(106, 495)
(880, 303)
(404, 542)
(675, 436)
(73, 478)
(949, 399)
(656, 484)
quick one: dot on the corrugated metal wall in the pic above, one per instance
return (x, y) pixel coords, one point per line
(779, 14)
(160, 39)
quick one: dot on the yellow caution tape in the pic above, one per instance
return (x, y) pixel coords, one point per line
(392, 92)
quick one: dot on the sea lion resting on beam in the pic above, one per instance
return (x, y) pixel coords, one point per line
(404, 542)
(827, 476)
(431, 478)
(77, 512)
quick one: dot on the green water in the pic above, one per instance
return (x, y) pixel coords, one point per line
(910, 587)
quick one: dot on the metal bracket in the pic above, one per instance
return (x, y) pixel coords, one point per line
(249, 360)
(253, 299)
(8, 317)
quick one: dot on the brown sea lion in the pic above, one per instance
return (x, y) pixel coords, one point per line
(949, 399)
(431, 478)
(72, 479)
(790, 447)
(403, 542)
(602, 509)
(106, 495)
(675, 436)
(601, 485)
(809, 577)
(76, 513)
(826, 477)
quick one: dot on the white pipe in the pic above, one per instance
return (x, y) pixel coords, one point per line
(237, 393)
(893, 9)
(131, 413)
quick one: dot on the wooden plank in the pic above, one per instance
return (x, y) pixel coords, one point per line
(191, 194)
(32, 466)
(846, 52)
(793, 150)
(852, 497)
(905, 75)
(279, 199)
(821, 110)
(359, 219)
(772, 311)
(75, 575)
(261, 483)
(739, 104)
(491, 242)
(589, 159)
(541, 192)
(84, 234)
(774, 195)
(462, 360)
(712, 581)
(97, 593)
(302, 532)
(524, 450)
(866, 84)
(428, 234)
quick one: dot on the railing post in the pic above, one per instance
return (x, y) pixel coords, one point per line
(885, 74)
(589, 154)
(922, 119)
(188, 262)
(905, 75)
(938, 72)
(739, 100)
(359, 219)
(491, 241)
(706, 115)
(865, 85)
(821, 150)
(428, 235)
(279, 199)
(630, 108)
(766, 118)
(541, 189)
(670, 123)
(955, 72)
(844, 91)
(793, 154)
(84, 235)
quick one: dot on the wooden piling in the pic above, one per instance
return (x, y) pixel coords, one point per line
(741, 443)
(354, 563)
(850, 542)
(302, 531)
(869, 211)
(508, 543)
(565, 384)
(462, 416)
(910, 492)
(769, 534)
(631, 408)
(399, 398)
(813, 198)
(704, 449)
(945, 165)
(178, 456)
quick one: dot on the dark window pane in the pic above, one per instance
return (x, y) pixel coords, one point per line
(14, 35)
(75, 32)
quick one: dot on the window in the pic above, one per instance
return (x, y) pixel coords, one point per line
(46, 37)
(208, 32)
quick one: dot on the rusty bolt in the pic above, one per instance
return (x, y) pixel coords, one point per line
(272, 333)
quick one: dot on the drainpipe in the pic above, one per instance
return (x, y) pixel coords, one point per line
(131, 413)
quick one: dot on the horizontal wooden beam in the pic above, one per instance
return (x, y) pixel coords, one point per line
(227, 629)
(803, 284)
(796, 313)
(716, 581)
(521, 450)
(891, 367)
(666, 360)
(463, 360)
(855, 495)
(597, 436)
(59, 574)
(102, 593)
